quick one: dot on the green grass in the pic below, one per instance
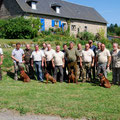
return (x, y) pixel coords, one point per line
(67, 100)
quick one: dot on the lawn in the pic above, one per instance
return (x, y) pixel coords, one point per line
(66, 100)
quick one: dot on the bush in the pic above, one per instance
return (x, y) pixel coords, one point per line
(85, 36)
(19, 28)
(35, 40)
(115, 41)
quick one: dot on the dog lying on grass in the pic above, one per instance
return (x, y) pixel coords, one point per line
(71, 76)
(23, 75)
(104, 81)
(48, 77)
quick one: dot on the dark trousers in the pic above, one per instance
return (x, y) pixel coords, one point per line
(29, 70)
(49, 67)
(60, 70)
(65, 76)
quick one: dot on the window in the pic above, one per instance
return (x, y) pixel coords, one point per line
(58, 10)
(73, 27)
(33, 5)
(56, 22)
(85, 29)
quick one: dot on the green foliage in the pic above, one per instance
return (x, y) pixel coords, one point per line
(19, 28)
(115, 41)
(35, 40)
(114, 29)
(85, 36)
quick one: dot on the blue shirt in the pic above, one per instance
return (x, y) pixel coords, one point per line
(93, 48)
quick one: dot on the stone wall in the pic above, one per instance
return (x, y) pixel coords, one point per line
(92, 27)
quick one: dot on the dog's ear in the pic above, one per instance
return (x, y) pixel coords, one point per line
(21, 68)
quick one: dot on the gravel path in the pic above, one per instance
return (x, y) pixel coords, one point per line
(13, 115)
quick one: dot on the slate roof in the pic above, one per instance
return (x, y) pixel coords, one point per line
(67, 10)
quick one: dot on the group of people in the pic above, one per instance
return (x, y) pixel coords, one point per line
(87, 63)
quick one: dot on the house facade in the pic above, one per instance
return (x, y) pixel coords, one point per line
(56, 13)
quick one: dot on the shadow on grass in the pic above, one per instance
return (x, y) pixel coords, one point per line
(10, 74)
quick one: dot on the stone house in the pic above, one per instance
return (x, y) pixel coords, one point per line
(56, 13)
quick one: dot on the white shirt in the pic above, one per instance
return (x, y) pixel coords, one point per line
(1, 51)
(103, 56)
(87, 55)
(58, 58)
(49, 54)
(37, 56)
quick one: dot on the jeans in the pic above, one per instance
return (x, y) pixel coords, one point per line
(102, 69)
(38, 70)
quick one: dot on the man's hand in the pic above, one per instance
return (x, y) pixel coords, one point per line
(1, 63)
(42, 64)
(53, 65)
(32, 65)
(63, 65)
(80, 64)
(24, 62)
(92, 64)
(108, 65)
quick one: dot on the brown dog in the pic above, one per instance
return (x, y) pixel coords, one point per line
(71, 76)
(23, 75)
(49, 78)
(104, 81)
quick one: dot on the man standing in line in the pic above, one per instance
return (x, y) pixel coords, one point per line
(48, 59)
(115, 53)
(103, 59)
(79, 49)
(38, 60)
(86, 62)
(17, 56)
(27, 61)
(72, 55)
(65, 65)
(92, 47)
(1, 62)
(58, 63)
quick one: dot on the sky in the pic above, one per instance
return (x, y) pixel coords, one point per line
(109, 9)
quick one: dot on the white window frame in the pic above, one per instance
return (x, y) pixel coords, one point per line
(33, 5)
(58, 10)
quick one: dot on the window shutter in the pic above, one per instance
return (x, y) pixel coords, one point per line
(53, 23)
(59, 23)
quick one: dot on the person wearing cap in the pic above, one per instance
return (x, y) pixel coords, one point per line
(72, 55)
(103, 59)
(115, 54)
(92, 47)
(17, 56)
(86, 62)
